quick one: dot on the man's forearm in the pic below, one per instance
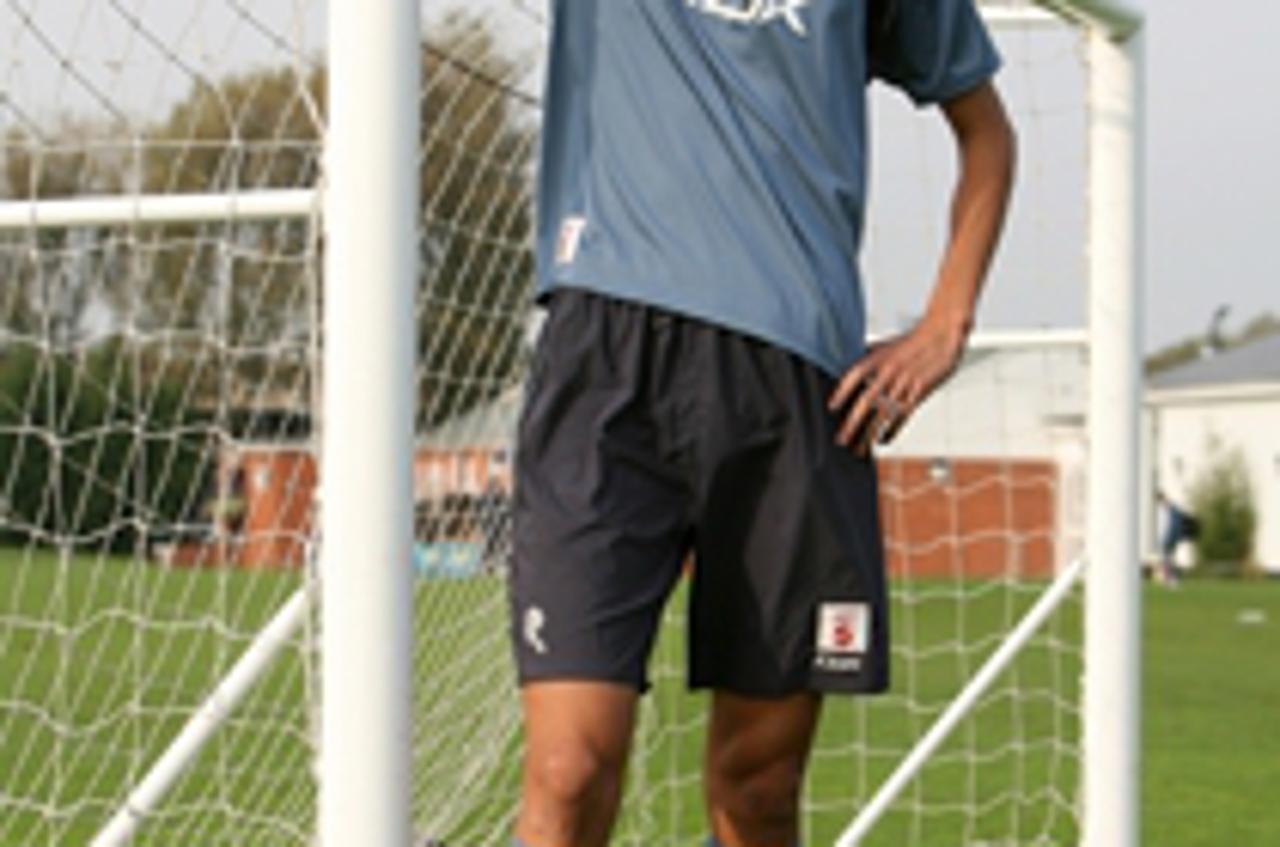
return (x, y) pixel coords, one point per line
(987, 154)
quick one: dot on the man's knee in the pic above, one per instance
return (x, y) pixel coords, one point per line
(572, 776)
(757, 792)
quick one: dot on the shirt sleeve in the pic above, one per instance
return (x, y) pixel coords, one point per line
(933, 50)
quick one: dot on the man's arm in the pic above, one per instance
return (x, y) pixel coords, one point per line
(896, 376)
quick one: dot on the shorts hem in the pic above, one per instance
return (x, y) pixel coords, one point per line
(863, 685)
(641, 686)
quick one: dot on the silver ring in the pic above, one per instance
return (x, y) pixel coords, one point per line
(889, 406)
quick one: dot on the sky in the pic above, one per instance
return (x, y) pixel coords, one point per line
(1212, 164)
(1212, 234)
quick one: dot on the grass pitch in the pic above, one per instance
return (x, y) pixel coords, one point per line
(101, 660)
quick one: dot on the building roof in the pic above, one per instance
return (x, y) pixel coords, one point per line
(1252, 363)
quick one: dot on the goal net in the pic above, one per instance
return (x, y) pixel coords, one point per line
(160, 384)
(157, 352)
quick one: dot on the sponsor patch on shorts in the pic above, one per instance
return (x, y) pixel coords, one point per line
(843, 637)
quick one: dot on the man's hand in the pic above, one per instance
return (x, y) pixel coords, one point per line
(896, 376)
(878, 395)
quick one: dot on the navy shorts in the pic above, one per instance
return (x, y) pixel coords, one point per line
(648, 436)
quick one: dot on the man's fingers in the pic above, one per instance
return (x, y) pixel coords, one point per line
(882, 410)
(848, 429)
(889, 416)
(856, 378)
(876, 411)
(895, 425)
(859, 416)
(910, 392)
(849, 385)
(885, 388)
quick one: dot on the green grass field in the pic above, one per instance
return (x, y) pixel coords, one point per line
(100, 659)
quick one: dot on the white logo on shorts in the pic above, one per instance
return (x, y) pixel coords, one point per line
(844, 632)
(534, 620)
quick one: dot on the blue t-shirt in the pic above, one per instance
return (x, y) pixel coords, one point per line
(709, 156)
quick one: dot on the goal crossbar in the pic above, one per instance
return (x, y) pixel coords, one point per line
(1118, 19)
(69, 213)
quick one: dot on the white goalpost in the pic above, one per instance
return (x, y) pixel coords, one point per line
(264, 323)
(366, 494)
(1112, 716)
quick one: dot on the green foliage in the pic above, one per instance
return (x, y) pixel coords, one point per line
(95, 445)
(66, 162)
(1260, 327)
(48, 276)
(1222, 501)
(1172, 356)
(255, 130)
(477, 198)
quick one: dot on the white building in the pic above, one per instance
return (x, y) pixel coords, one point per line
(1225, 402)
(1012, 421)
(1017, 395)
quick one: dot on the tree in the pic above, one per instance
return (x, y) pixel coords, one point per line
(92, 448)
(262, 129)
(247, 282)
(1262, 326)
(52, 278)
(235, 301)
(477, 219)
(1223, 505)
(1173, 356)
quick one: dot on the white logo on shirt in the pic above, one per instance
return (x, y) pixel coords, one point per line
(570, 239)
(758, 12)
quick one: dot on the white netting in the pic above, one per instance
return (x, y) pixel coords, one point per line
(158, 439)
(156, 383)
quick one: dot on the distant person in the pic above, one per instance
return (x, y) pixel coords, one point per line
(1179, 526)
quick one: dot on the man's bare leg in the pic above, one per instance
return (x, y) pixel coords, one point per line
(577, 735)
(756, 755)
